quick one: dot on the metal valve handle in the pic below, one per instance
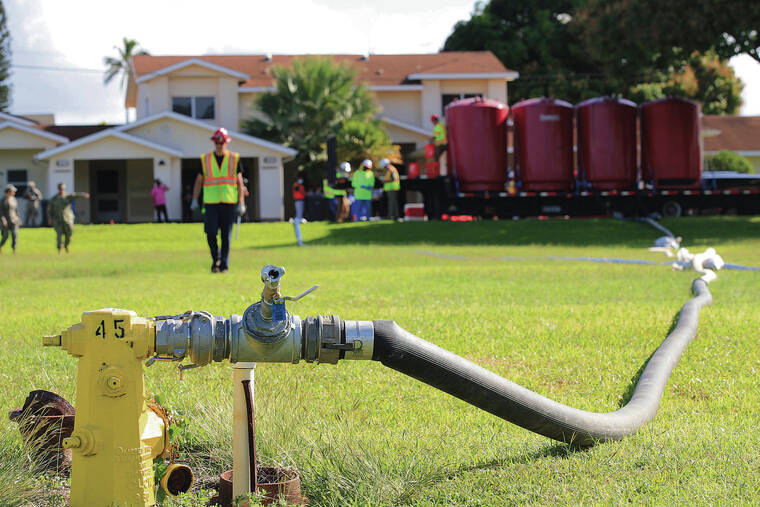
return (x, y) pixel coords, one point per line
(296, 298)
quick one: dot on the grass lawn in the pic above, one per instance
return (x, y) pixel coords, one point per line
(359, 433)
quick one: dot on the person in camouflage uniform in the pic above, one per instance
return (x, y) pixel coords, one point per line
(9, 218)
(60, 215)
(33, 197)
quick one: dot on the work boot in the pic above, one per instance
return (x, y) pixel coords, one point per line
(215, 267)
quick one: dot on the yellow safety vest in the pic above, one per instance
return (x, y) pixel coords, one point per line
(330, 192)
(220, 183)
(395, 183)
(439, 134)
(327, 190)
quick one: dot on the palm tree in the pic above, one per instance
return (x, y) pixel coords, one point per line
(123, 64)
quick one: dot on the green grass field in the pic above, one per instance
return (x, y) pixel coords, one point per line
(360, 433)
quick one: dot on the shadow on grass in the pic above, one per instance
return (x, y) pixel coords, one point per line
(554, 450)
(575, 232)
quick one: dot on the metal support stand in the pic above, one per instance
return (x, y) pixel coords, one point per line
(242, 474)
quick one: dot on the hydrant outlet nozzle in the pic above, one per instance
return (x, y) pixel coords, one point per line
(51, 340)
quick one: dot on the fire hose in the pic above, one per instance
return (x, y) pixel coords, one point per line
(111, 345)
(268, 333)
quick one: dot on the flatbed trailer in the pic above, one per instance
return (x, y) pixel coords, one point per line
(730, 194)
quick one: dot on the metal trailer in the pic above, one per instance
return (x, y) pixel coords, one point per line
(720, 193)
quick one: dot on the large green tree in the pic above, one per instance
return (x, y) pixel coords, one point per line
(314, 98)
(122, 65)
(5, 61)
(704, 78)
(577, 49)
(669, 30)
(534, 37)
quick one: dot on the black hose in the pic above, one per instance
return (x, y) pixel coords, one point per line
(413, 356)
(253, 462)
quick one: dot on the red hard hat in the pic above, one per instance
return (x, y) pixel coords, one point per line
(434, 117)
(221, 134)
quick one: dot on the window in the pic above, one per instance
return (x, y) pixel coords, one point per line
(201, 108)
(448, 98)
(19, 178)
(204, 108)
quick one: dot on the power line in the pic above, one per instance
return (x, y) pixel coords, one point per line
(57, 69)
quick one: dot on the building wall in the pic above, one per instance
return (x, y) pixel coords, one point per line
(401, 106)
(12, 139)
(431, 101)
(399, 135)
(479, 87)
(155, 96)
(36, 171)
(110, 148)
(247, 108)
(23, 159)
(497, 90)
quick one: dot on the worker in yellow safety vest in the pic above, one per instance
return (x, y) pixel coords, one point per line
(363, 182)
(335, 195)
(221, 179)
(439, 137)
(391, 187)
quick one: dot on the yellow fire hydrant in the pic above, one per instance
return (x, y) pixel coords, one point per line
(116, 431)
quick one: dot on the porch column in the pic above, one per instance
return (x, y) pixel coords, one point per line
(165, 169)
(271, 188)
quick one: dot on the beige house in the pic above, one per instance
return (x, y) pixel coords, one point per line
(117, 167)
(409, 88)
(180, 100)
(20, 141)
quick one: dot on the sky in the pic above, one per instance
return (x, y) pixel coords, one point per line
(58, 45)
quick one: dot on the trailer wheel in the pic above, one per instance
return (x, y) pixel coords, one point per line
(671, 209)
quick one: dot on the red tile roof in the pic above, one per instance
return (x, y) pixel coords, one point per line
(737, 133)
(377, 70)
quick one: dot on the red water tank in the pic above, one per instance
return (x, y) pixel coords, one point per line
(543, 143)
(477, 136)
(607, 143)
(670, 150)
(414, 170)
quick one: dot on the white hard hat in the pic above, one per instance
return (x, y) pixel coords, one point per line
(367, 163)
(384, 162)
(345, 167)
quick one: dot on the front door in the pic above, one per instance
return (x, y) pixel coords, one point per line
(108, 199)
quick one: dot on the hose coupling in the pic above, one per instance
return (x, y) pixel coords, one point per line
(328, 339)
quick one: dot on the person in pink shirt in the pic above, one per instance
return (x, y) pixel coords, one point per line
(158, 193)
